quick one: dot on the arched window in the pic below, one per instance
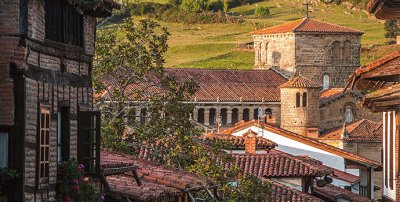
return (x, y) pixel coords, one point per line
(265, 53)
(349, 113)
(304, 99)
(336, 55)
(297, 99)
(200, 115)
(246, 114)
(235, 115)
(347, 49)
(259, 52)
(224, 116)
(212, 116)
(325, 82)
(143, 115)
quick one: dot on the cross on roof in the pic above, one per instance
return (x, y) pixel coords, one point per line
(307, 4)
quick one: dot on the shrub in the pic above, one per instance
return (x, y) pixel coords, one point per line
(217, 5)
(195, 5)
(262, 11)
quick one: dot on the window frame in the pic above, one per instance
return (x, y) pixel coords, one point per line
(65, 19)
(42, 174)
(298, 99)
(7, 130)
(304, 99)
(326, 81)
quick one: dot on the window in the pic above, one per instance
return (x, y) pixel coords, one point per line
(63, 134)
(89, 141)
(44, 144)
(304, 99)
(265, 53)
(349, 113)
(63, 23)
(336, 55)
(3, 150)
(325, 82)
(297, 99)
(347, 188)
(347, 49)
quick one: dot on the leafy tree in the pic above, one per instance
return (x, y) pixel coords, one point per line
(392, 28)
(130, 57)
(195, 5)
(262, 11)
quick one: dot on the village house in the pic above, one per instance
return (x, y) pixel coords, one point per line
(349, 166)
(46, 54)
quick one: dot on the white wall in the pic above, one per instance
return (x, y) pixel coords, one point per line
(390, 193)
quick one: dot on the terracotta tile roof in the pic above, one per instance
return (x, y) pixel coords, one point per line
(220, 85)
(277, 164)
(333, 193)
(304, 140)
(158, 181)
(300, 82)
(332, 94)
(383, 9)
(306, 25)
(362, 130)
(283, 193)
(347, 177)
(239, 142)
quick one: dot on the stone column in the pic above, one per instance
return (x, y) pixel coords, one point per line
(195, 114)
(206, 116)
(137, 113)
(217, 113)
(229, 116)
(251, 114)
(240, 114)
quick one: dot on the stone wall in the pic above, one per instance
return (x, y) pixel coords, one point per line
(298, 119)
(335, 55)
(275, 50)
(332, 113)
(370, 150)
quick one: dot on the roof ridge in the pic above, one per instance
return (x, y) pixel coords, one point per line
(300, 24)
(335, 25)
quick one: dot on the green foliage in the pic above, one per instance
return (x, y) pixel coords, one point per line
(251, 188)
(217, 5)
(392, 28)
(262, 11)
(195, 5)
(72, 185)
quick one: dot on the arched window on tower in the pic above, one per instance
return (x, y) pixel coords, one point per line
(325, 82)
(336, 55)
(297, 99)
(259, 52)
(349, 112)
(304, 99)
(347, 49)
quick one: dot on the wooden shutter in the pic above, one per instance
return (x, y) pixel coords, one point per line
(89, 141)
(72, 26)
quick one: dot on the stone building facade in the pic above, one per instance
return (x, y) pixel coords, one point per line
(316, 50)
(45, 92)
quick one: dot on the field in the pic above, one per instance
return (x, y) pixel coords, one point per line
(214, 45)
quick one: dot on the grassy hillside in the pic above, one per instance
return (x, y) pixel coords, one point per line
(213, 45)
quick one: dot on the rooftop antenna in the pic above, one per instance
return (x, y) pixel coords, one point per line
(307, 4)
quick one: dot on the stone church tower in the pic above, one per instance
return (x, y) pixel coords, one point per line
(320, 51)
(300, 106)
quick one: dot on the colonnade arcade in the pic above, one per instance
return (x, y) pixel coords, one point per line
(229, 116)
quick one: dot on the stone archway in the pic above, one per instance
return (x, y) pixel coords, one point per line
(246, 114)
(212, 116)
(224, 116)
(200, 115)
(235, 115)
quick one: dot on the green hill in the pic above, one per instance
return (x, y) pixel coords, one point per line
(214, 45)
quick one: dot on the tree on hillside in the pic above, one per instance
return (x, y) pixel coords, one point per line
(195, 5)
(392, 28)
(262, 11)
(124, 61)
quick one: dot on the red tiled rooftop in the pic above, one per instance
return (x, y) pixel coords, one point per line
(239, 142)
(283, 193)
(277, 164)
(347, 177)
(157, 180)
(221, 85)
(332, 192)
(300, 82)
(306, 25)
(305, 140)
(363, 130)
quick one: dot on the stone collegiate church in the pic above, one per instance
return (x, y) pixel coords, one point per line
(298, 78)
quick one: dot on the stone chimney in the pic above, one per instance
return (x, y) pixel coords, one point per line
(250, 142)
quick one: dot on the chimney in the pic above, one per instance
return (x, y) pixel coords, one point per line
(313, 133)
(250, 142)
